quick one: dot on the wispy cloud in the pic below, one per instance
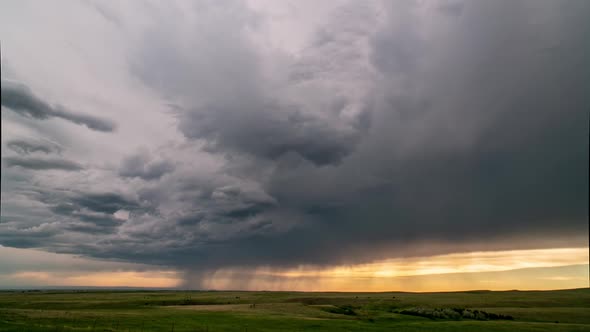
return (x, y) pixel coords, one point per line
(42, 164)
(19, 98)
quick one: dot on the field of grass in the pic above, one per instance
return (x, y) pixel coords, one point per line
(563, 310)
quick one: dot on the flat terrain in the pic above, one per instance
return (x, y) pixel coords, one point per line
(563, 310)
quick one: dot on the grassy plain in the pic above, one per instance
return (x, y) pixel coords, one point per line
(211, 311)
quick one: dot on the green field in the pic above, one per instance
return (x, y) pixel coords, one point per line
(563, 310)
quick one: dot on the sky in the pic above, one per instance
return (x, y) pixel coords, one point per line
(295, 145)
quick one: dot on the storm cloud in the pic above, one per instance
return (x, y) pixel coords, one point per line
(19, 98)
(370, 131)
(30, 146)
(43, 164)
(141, 166)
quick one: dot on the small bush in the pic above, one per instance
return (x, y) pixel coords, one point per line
(342, 310)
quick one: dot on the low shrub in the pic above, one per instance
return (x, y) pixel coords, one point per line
(342, 310)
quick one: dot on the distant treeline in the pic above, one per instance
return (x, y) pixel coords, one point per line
(454, 313)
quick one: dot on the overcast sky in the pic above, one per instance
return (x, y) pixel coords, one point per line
(202, 136)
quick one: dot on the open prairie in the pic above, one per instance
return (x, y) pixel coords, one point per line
(562, 310)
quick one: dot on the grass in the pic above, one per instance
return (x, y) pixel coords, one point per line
(563, 310)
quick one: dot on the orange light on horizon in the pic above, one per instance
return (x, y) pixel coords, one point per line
(461, 271)
(155, 279)
(494, 270)
(486, 261)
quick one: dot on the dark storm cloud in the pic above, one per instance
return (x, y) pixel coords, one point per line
(141, 166)
(64, 219)
(91, 221)
(20, 99)
(235, 110)
(42, 164)
(29, 146)
(104, 202)
(105, 219)
(67, 202)
(469, 132)
(20, 235)
(257, 130)
(479, 137)
(209, 205)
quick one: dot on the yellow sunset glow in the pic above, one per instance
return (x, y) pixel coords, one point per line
(452, 263)
(494, 270)
(159, 279)
(463, 271)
